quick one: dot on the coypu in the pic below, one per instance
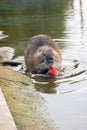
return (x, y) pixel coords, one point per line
(41, 54)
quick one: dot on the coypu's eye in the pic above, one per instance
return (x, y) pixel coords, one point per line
(43, 53)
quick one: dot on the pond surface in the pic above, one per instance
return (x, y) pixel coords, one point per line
(66, 22)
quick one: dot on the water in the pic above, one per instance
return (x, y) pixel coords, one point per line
(66, 22)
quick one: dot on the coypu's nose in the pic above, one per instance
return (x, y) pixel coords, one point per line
(48, 56)
(50, 60)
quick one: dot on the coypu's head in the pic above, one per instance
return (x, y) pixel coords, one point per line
(45, 58)
(41, 54)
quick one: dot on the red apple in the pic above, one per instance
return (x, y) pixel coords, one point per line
(52, 72)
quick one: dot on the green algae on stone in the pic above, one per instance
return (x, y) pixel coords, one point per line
(27, 106)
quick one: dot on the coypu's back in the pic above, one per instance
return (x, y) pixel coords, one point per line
(36, 42)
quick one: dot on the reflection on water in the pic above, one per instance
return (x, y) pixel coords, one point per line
(2, 35)
(66, 22)
(45, 85)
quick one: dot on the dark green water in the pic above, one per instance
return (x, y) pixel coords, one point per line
(66, 22)
(22, 19)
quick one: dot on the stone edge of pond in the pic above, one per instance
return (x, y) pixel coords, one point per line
(29, 111)
(6, 119)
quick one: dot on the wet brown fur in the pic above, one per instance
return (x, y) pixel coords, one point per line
(40, 49)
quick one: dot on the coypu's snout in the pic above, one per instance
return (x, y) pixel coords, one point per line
(50, 60)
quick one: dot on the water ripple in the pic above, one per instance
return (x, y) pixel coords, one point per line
(73, 72)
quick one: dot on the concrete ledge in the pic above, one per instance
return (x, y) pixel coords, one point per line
(6, 119)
